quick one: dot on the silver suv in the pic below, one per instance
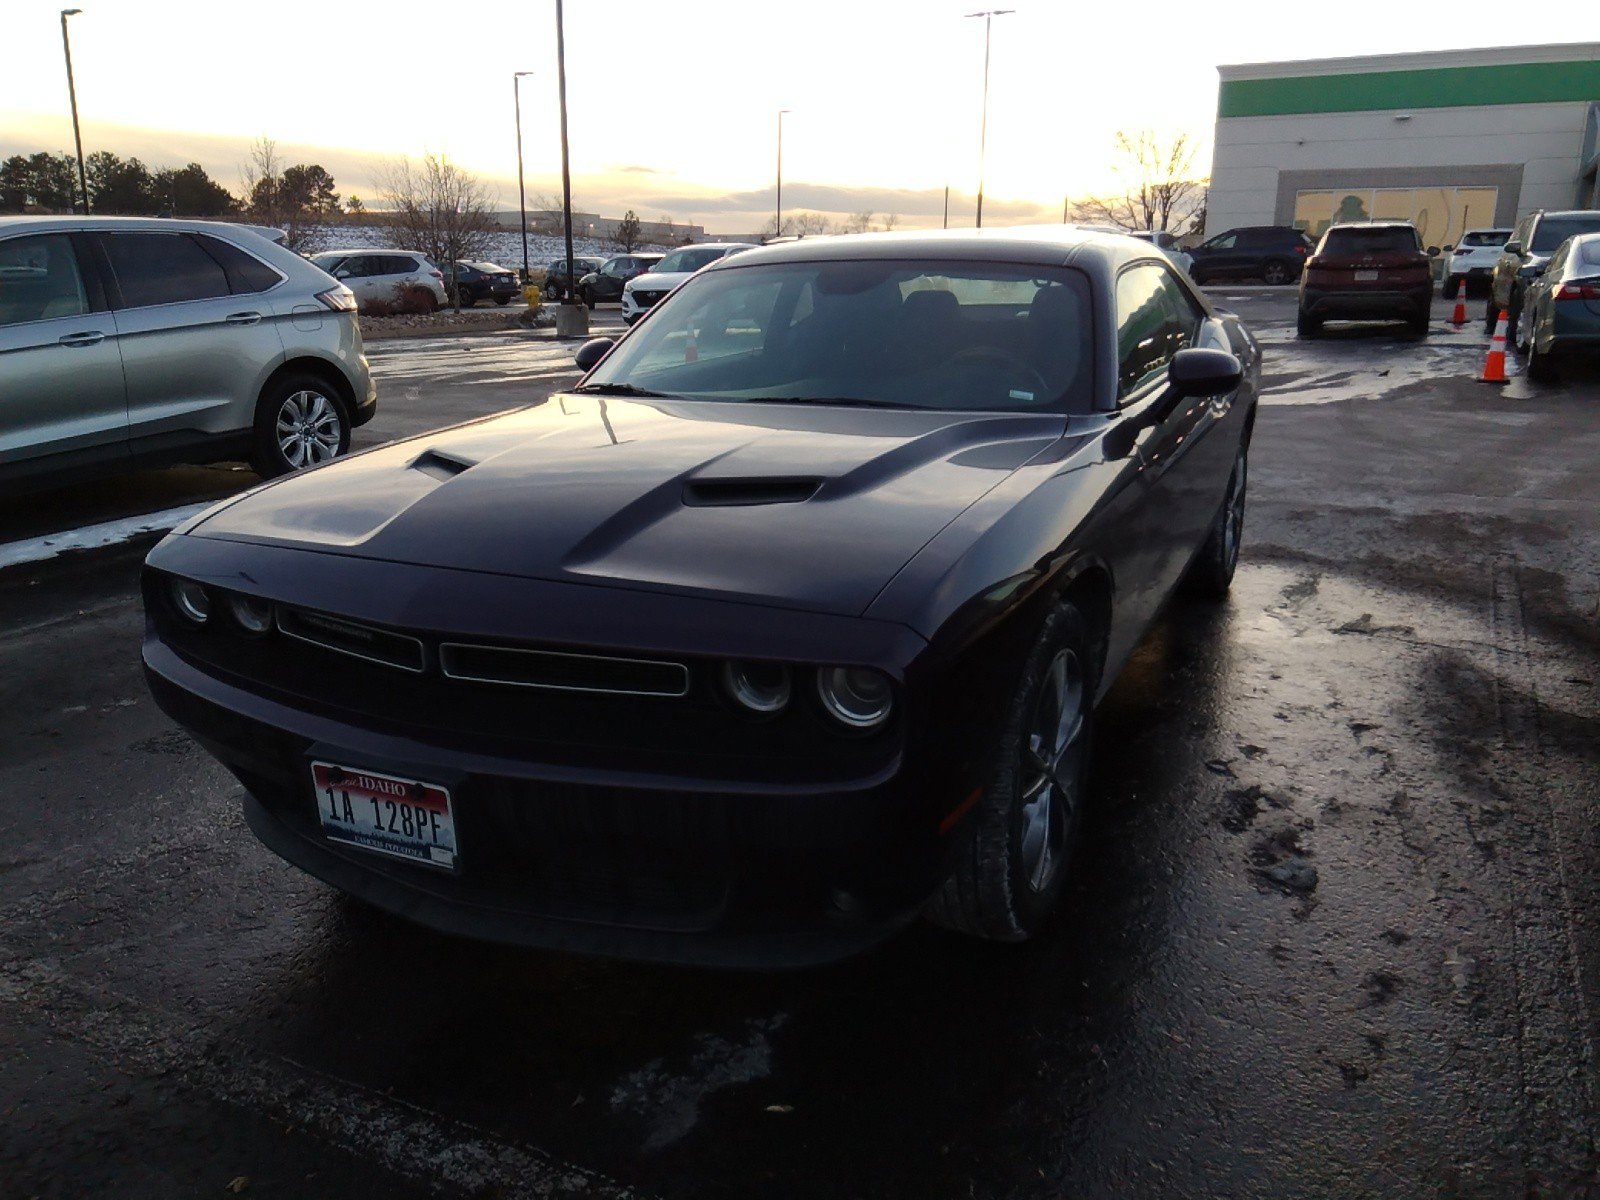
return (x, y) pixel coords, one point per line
(128, 342)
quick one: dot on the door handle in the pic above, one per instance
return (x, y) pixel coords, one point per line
(88, 338)
(244, 318)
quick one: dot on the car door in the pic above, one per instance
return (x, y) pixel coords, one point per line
(194, 355)
(1217, 255)
(61, 386)
(1173, 508)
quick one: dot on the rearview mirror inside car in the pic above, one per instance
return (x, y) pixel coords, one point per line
(592, 351)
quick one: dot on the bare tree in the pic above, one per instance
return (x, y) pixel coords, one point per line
(859, 222)
(1159, 187)
(890, 220)
(627, 236)
(544, 214)
(439, 209)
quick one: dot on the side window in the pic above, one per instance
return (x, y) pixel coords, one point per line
(1524, 228)
(1150, 329)
(246, 273)
(163, 268)
(1225, 242)
(39, 280)
(399, 264)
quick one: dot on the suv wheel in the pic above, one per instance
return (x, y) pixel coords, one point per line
(300, 421)
(1307, 326)
(588, 298)
(1491, 314)
(1276, 271)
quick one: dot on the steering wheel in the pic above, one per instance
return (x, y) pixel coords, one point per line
(1014, 367)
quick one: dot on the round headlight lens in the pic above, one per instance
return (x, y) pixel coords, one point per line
(859, 697)
(191, 600)
(254, 615)
(760, 687)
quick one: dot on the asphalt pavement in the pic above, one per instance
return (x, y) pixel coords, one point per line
(1332, 933)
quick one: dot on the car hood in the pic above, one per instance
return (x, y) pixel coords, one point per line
(802, 506)
(657, 281)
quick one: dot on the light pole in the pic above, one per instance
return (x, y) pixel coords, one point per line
(572, 318)
(777, 230)
(72, 94)
(522, 195)
(983, 130)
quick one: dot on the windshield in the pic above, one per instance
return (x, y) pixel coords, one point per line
(685, 261)
(1552, 231)
(1490, 237)
(919, 334)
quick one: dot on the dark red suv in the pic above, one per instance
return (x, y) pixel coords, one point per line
(1374, 271)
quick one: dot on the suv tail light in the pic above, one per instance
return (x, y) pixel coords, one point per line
(1589, 290)
(1302, 250)
(339, 299)
(437, 274)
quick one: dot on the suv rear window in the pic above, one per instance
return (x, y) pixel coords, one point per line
(1492, 238)
(1550, 232)
(1390, 240)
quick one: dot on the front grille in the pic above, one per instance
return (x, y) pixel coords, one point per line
(358, 641)
(646, 299)
(563, 672)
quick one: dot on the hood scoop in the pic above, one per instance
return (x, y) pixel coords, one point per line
(732, 493)
(440, 465)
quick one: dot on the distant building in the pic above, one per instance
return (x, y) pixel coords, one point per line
(593, 225)
(1449, 140)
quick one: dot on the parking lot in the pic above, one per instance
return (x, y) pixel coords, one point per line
(1332, 932)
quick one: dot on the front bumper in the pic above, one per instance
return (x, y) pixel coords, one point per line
(1372, 304)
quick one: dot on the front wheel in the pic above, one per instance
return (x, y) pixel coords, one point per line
(1276, 271)
(1541, 368)
(502, 301)
(1211, 574)
(300, 422)
(1009, 875)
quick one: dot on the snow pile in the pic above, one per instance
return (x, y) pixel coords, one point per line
(505, 245)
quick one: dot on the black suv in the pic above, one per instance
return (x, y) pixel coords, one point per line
(1271, 253)
(605, 285)
(483, 281)
(555, 275)
(1523, 259)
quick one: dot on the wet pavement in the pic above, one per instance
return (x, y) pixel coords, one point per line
(1332, 932)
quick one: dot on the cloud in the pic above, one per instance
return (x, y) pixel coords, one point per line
(633, 169)
(829, 198)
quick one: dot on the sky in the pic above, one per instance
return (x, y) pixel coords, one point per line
(673, 103)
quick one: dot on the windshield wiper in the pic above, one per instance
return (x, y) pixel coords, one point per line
(616, 389)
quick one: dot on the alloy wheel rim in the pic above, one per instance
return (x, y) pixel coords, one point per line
(1233, 522)
(308, 429)
(1276, 274)
(1052, 756)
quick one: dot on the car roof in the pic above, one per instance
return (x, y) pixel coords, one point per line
(367, 250)
(1488, 229)
(711, 246)
(1053, 245)
(1568, 212)
(1371, 225)
(44, 224)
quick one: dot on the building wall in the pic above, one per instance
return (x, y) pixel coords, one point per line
(1288, 128)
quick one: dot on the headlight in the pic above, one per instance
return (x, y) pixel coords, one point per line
(191, 600)
(760, 687)
(253, 615)
(857, 696)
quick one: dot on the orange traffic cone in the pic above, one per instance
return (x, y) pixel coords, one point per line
(1459, 317)
(1494, 367)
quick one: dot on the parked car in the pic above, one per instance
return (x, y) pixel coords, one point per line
(555, 275)
(1167, 244)
(1560, 317)
(1271, 253)
(381, 274)
(641, 292)
(1373, 271)
(605, 285)
(783, 626)
(484, 281)
(1523, 257)
(128, 343)
(1472, 260)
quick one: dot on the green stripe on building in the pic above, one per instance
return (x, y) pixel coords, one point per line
(1443, 87)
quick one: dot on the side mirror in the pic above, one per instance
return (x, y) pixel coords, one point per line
(1514, 248)
(1197, 372)
(1433, 252)
(1449, 248)
(341, 273)
(592, 351)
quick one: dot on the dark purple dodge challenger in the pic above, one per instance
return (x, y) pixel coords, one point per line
(784, 626)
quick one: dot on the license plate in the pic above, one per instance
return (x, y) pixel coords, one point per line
(1366, 276)
(403, 818)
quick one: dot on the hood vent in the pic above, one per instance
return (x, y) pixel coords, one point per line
(440, 465)
(711, 493)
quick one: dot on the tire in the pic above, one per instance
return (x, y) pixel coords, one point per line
(1200, 277)
(1211, 574)
(1306, 326)
(1276, 271)
(293, 430)
(502, 301)
(588, 298)
(1448, 285)
(1522, 333)
(1419, 323)
(1513, 315)
(552, 292)
(1009, 876)
(1541, 364)
(1491, 314)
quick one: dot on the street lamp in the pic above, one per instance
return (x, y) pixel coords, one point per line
(983, 131)
(522, 195)
(572, 318)
(778, 228)
(72, 94)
